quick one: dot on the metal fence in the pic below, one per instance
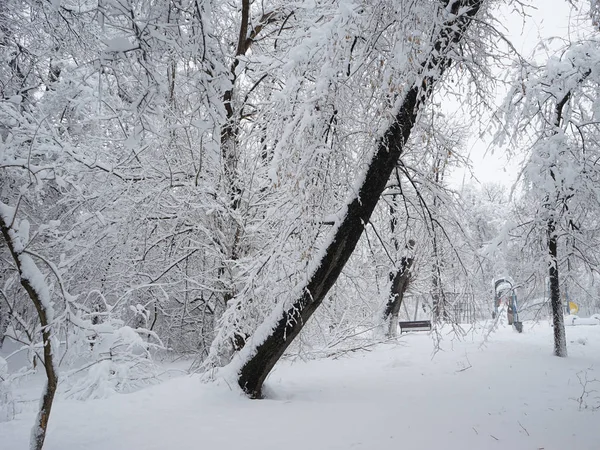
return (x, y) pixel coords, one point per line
(456, 307)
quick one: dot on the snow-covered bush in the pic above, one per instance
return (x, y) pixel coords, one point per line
(120, 362)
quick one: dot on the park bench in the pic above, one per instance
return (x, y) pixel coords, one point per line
(415, 325)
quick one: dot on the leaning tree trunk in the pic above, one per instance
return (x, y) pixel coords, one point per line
(29, 277)
(272, 338)
(399, 285)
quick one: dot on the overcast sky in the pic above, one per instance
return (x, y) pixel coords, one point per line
(550, 19)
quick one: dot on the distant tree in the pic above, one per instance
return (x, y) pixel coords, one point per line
(400, 282)
(553, 109)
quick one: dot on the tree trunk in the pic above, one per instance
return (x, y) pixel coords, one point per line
(399, 285)
(438, 296)
(3, 322)
(272, 338)
(229, 156)
(38, 433)
(560, 341)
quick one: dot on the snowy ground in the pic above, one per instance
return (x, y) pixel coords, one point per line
(509, 393)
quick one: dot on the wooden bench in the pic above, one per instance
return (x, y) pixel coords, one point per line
(415, 325)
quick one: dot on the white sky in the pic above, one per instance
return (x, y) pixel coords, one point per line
(549, 19)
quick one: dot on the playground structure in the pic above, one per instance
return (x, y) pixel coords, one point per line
(505, 294)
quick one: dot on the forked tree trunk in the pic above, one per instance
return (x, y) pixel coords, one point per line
(247, 35)
(258, 357)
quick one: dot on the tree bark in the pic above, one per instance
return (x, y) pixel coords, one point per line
(230, 158)
(399, 286)
(38, 433)
(560, 341)
(3, 322)
(263, 354)
(229, 131)
(438, 296)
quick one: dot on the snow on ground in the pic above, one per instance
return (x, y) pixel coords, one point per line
(509, 393)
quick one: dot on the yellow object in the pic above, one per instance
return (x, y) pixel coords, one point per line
(573, 308)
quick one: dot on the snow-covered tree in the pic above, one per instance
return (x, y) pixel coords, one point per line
(552, 109)
(324, 251)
